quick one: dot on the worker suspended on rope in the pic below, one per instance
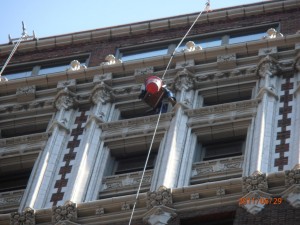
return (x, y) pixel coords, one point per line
(154, 91)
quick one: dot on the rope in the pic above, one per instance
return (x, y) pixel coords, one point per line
(159, 115)
(12, 53)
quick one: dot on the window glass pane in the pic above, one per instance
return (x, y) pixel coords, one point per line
(53, 69)
(209, 43)
(12, 76)
(246, 38)
(144, 54)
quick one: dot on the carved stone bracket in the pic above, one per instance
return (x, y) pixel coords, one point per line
(268, 66)
(272, 51)
(184, 80)
(25, 94)
(106, 78)
(100, 211)
(60, 124)
(158, 198)
(65, 99)
(226, 61)
(292, 177)
(292, 195)
(254, 201)
(70, 84)
(159, 215)
(25, 218)
(101, 93)
(66, 212)
(257, 181)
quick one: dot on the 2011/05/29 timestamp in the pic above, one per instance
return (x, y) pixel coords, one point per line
(262, 201)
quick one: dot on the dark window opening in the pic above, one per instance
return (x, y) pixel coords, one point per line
(24, 130)
(14, 180)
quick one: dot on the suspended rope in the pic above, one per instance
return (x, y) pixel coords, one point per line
(207, 8)
(23, 37)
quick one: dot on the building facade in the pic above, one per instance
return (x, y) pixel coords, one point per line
(74, 135)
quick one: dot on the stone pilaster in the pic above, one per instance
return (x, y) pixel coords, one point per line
(40, 186)
(260, 155)
(90, 167)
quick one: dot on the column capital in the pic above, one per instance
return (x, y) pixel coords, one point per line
(268, 66)
(101, 93)
(184, 80)
(65, 99)
(66, 212)
(26, 217)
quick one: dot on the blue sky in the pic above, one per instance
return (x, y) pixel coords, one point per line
(55, 17)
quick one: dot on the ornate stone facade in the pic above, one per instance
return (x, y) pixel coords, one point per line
(25, 218)
(66, 212)
(160, 197)
(257, 181)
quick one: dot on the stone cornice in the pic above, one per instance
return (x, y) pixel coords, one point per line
(144, 27)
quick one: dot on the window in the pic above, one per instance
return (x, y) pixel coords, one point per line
(41, 68)
(222, 148)
(225, 94)
(134, 164)
(14, 180)
(246, 38)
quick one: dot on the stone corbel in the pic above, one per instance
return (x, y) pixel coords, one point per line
(292, 195)
(257, 181)
(184, 80)
(97, 118)
(268, 66)
(70, 84)
(65, 99)
(67, 212)
(292, 177)
(161, 197)
(27, 217)
(270, 91)
(25, 94)
(101, 93)
(60, 124)
(255, 201)
(106, 78)
(159, 215)
(263, 52)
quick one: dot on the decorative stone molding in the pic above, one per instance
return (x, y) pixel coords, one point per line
(184, 80)
(292, 177)
(263, 52)
(183, 64)
(272, 33)
(190, 46)
(65, 99)
(25, 218)
(111, 60)
(254, 201)
(126, 180)
(144, 71)
(10, 198)
(220, 191)
(268, 66)
(70, 84)
(297, 63)
(257, 181)
(226, 61)
(99, 211)
(66, 212)
(159, 215)
(292, 195)
(75, 66)
(25, 94)
(125, 207)
(162, 197)
(101, 93)
(106, 78)
(195, 196)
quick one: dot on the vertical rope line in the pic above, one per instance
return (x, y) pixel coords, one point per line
(159, 115)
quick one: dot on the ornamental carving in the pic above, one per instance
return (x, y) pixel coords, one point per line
(292, 177)
(255, 205)
(268, 66)
(194, 196)
(125, 206)
(190, 46)
(144, 71)
(226, 61)
(25, 218)
(220, 191)
(26, 93)
(267, 51)
(257, 181)
(101, 93)
(65, 99)
(272, 33)
(111, 60)
(66, 212)
(106, 77)
(70, 84)
(75, 66)
(100, 211)
(184, 80)
(161, 197)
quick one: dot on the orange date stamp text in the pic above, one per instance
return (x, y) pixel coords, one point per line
(262, 201)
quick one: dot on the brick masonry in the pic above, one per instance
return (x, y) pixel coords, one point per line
(284, 123)
(283, 214)
(69, 156)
